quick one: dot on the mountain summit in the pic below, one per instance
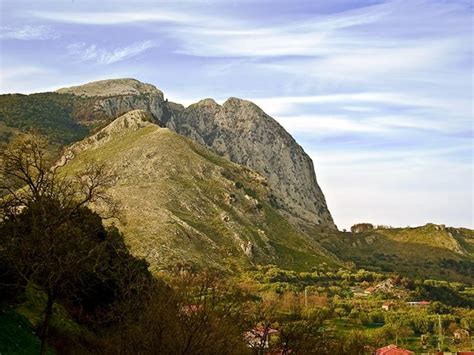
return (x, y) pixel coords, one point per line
(112, 87)
(238, 130)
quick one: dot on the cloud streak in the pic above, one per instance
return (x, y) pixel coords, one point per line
(27, 33)
(84, 52)
(112, 17)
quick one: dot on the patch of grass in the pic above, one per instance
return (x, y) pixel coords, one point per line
(17, 336)
(33, 309)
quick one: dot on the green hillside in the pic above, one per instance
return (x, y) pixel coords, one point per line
(180, 203)
(429, 251)
(53, 115)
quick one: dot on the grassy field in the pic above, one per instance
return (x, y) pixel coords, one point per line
(17, 335)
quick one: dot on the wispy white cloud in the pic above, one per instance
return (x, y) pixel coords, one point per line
(317, 125)
(406, 156)
(107, 18)
(384, 125)
(18, 72)
(28, 32)
(13, 77)
(129, 16)
(283, 104)
(84, 52)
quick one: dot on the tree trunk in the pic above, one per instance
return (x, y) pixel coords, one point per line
(47, 317)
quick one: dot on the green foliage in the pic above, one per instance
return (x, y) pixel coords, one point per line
(418, 252)
(16, 335)
(445, 293)
(53, 115)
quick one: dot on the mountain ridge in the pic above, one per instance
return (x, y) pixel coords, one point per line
(240, 207)
(111, 87)
(238, 130)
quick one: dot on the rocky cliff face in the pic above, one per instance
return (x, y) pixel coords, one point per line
(113, 98)
(238, 130)
(112, 87)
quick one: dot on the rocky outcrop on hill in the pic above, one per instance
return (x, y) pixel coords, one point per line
(129, 122)
(110, 99)
(112, 87)
(238, 130)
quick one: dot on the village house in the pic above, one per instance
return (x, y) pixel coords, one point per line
(259, 337)
(392, 349)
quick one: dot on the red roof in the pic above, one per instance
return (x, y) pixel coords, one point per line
(393, 350)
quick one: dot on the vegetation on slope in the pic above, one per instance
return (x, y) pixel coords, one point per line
(184, 204)
(430, 251)
(53, 115)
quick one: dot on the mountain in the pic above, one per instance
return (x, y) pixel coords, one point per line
(219, 185)
(238, 130)
(182, 203)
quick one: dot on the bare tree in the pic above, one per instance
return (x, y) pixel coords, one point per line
(47, 234)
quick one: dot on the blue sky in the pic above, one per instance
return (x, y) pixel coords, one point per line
(379, 93)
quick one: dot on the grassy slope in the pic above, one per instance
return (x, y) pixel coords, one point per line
(183, 204)
(16, 334)
(18, 324)
(426, 251)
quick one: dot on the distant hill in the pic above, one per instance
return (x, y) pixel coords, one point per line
(429, 251)
(56, 116)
